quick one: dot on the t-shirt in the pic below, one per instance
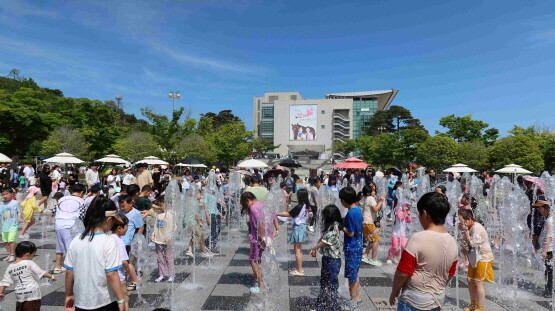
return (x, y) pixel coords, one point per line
(299, 214)
(144, 178)
(480, 242)
(402, 219)
(255, 216)
(332, 241)
(135, 222)
(25, 275)
(164, 227)
(88, 200)
(259, 192)
(143, 203)
(313, 198)
(128, 179)
(429, 258)
(122, 255)
(10, 220)
(113, 180)
(211, 202)
(369, 216)
(547, 232)
(68, 209)
(353, 223)
(90, 261)
(28, 172)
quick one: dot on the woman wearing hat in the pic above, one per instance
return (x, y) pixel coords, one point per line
(546, 242)
(28, 207)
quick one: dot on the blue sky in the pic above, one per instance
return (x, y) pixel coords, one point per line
(491, 59)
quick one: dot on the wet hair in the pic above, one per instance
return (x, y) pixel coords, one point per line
(254, 180)
(245, 197)
(160, 198)
(6, 189)
(397, 184)
(96, 214)
(95, 189)
(349, 195)
(125, 198)
(314, 180)
(465, 197)
(120, 224)
(442, 188)
(436, 205)
(77, 188)
(466, 214)
(146, 188)
(331, 215)
(132, 190)
(366, 191)
(25, 247)
(330, 179)
(302, 197)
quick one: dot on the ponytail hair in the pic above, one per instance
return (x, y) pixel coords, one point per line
(96, 214)
(245, 198)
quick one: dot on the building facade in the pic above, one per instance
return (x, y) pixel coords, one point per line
(310, 127)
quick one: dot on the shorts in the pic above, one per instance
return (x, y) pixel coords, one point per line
(369, 234)
(113, 306)
(45, 192)
(9, 236)
(123, 285)
(32, 305)
(298, 234)
(255, 252)
(482, 272)
(63, 239)
(352, 265)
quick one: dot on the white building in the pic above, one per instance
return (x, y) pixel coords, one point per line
(311, 126)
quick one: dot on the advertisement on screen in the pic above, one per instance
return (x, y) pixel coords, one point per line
(303, 120)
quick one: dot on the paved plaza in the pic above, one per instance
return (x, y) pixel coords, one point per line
(222, 282)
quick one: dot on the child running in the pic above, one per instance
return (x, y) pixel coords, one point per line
(481, 259)
(162, 237)
(29, 206)
(300, 214)
(330, 248)
(371, 224)
(11, 216)
(257, 232)
(399, 233)
(24, 273)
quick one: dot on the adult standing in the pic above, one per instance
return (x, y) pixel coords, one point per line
(92, 263)
(45, 184)
(128, 179)
(295, 178)
(156, 176)
(143, 176)
(28, 172)
(91, 176)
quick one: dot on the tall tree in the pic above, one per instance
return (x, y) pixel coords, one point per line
(545, 139)
(66, 139)
(474, 154)
(518, 149)
(217, 120)
(437, 152)
(136, 145)
(393, 120)
(194, 145)
(466, 129)
(263, 145)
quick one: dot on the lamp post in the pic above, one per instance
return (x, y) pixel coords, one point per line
(174, 95)
(118, 100)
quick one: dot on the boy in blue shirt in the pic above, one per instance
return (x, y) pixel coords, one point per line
(11, 217)
(136, 223)
(353, 244)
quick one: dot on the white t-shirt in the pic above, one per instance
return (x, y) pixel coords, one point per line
(29, 172)
(56, 175)
(90, 261)
(547, 232)
(128, 179)
(113, 180)
(68, 209)
(122, 255)
(25, 275)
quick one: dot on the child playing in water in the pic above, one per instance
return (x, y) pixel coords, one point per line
(197, 221)
(300, 215)
(481, 259)
(118, 230)
(24, 272)
(330, 248)
(399, 233)
(162, 237)
(28, 207)
(371, 224)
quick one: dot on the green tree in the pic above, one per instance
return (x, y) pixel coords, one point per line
(518, 149)
(263, 145)
(346, 147)
(136, 145)
(66, 139)
(382, 150)
(437, 152)
(392, 120)
(545, 139)
(217, 120)
(464, 129)
(474, 154)
(232, 142)
(194, 145)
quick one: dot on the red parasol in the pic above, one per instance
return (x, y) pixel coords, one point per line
(352, 163)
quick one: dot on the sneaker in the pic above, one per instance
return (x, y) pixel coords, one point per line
(189, 254)
(376, 263)
(159, 279)
(170, 280)
(396, 260)
(366, 260)
(58, 270)
(255, 290)
(12, 258)
(389, 262)
(206, 254)
(311, 228)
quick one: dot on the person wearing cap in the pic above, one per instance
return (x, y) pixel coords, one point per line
(91, 176)
(92, 262)
(546, 242)
(28, 208)
(128, 179)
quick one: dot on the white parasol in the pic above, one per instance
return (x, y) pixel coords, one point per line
(460, 168)
(513, 169)
(113, 158)
(4, 158)
(64, 157)
(152, 160)
(191, 165)
(252, 163)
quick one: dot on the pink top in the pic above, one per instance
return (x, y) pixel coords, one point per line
(255, 216)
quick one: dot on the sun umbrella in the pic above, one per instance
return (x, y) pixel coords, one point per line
(530, 181)
(112, 158)
(252, 163)
(460, 168)
(352, 163)
(275, 173)
(192, 160)
(289, 163)
(513, 169)
(4, 158)
(64, 157)
(245, 172)
(152, 160)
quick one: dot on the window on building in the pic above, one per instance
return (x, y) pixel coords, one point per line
(273, 98)
(323, 126)
(267, 126)
(323, 112)
(293, 97)
(267, 112)
(270, 137)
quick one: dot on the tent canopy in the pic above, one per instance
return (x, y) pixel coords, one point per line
(64, 158)
(352, 163)
(4, 158)
(460, 168)
(152, 160)
(113, 158)
(513, 169)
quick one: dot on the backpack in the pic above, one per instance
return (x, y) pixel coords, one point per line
(289, 184)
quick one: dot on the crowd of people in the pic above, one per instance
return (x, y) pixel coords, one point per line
(115, 207)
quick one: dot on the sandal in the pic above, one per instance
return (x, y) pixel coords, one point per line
(131, 287)
(296, 273)
(58, 270)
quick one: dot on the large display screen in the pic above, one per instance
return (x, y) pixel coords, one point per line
(304, 121)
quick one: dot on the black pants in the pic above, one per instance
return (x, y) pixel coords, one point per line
(215, 227)
(549, 272)
(110, 307)
(314, 214)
